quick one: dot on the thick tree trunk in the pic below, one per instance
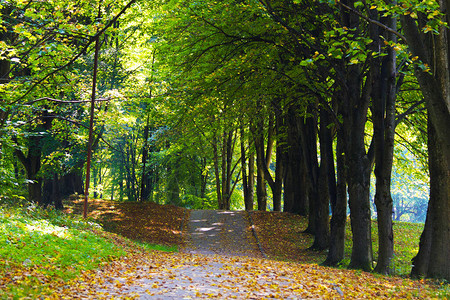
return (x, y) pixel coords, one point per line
(261, 193)
(295, 193)
(384, 132)
(435, 51)
(71, 183)
(321, 213)
(35, 191)
(353, 106)
(339, 210)
(420, 262)
(358, 190)
(32, 164)
(434, 252)
(358, 175)
(322, 231)
(308, 135)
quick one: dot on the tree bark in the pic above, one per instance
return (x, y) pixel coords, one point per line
(217, 173)
(353, 106)
(295, 192)
(145, 175)
(322, 231)
(358, 164)
(434, 249)
(435, 51)
(308, 137)
(229, 155)
(203, 179)
(247, 178)
(339, 210)
(261, 193)
(32, 162)
(276, 184)
(383, 70)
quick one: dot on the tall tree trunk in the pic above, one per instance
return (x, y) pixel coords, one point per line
(121, 177)
(72, 183)
(229, 173)
(94, 178)
(384, 131)
(251, 179)
(435, 51)
(295, 182)
(145, 175)
(128, 180)
(276, 184)
(434, 251)
(203, 178)
(32, 164)
(217, 173)
(247, 178)
(261, 193)
(339, 209)
(280, 154)
(359, 167)
(51, 192)
(295, 173)
(353, 106)
(321, 214)
(308, 135)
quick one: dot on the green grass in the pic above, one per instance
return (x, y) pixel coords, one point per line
(43, 249)
(154, 247)
(406, 245)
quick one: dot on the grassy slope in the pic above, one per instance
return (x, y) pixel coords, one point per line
(282, 238)
(42, 250)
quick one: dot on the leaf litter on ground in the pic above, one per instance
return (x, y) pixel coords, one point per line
(156, 274)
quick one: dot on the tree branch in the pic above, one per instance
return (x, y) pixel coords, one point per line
(372, 21)
(84, 49)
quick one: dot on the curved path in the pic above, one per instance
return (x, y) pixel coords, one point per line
(221, 232)
(221, 260)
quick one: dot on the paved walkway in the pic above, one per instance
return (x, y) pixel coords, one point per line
(221, 260)
(221, 232)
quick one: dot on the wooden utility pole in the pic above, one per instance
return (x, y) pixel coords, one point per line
(91, 127)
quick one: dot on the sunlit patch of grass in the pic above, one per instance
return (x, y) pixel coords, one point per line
(44, 248)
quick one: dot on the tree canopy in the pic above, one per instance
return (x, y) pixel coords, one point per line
(338, 106)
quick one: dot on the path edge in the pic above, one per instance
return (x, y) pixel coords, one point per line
(249, 214)
(182, 225)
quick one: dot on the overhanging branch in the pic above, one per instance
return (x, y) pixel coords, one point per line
(372, 21)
